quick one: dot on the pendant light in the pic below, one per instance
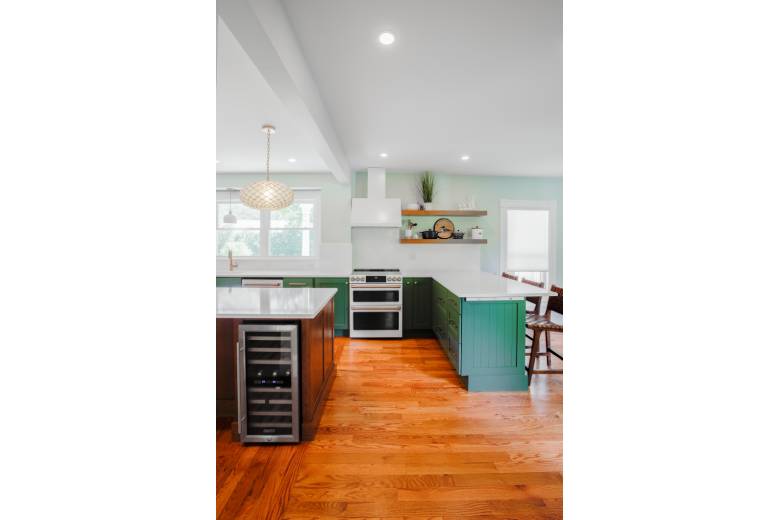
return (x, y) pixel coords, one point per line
(230, 218)
(267, 194)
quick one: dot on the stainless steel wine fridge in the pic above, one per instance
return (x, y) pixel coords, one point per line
(268, 387)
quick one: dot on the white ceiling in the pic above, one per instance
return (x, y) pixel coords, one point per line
(476, 77)
(244, 103)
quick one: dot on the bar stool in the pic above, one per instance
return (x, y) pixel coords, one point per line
(536, 310)
(543, 323)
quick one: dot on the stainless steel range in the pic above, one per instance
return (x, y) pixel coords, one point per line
(375, 303)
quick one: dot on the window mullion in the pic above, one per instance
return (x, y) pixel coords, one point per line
(265, 224)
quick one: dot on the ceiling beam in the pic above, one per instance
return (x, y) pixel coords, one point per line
(264, 32)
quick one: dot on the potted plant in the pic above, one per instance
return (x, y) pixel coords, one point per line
(427, 185)
(408, 230)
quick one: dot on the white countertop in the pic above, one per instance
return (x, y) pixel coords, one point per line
(271, 304)
(478, 284)
(238, 273)
(463, 284)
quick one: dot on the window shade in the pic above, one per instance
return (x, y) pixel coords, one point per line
(527, 240)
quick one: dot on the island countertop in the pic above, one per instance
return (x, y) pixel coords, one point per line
(271, 304)
(479, 284)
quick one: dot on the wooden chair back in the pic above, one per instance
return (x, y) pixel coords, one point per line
(555, 303)
(510, 276)
(536, 300)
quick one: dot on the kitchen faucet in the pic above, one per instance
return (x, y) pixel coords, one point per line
(231, 264)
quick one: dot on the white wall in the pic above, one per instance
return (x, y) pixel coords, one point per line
(336, 249)
(488, 192)
(380, 247)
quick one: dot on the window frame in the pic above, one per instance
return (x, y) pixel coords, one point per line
(313, 195)
(551, 206)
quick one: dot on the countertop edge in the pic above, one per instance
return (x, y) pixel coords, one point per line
(307, 316)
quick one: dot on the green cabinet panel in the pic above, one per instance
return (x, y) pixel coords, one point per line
(299, 282)
(409, 297)
(417, 304)
(422, 303)
(340, 301)
(492, 352)
(228, 281)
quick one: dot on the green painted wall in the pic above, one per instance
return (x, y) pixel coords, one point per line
(487, 191)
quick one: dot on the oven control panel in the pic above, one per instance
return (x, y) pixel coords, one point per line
(371, 278)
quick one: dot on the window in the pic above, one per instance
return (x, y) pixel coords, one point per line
(291, 232)
(527, 248)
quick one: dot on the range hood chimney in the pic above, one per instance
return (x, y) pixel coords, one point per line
(376, 210)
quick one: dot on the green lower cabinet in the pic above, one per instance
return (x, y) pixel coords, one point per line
(340, 301)
(417, 304)
(299, 282)
(492, 345)
(228, 281)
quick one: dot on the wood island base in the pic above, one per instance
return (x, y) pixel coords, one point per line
(317, 367)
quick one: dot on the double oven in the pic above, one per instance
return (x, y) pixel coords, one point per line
(375, 303)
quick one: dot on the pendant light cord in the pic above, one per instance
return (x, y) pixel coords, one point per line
(268, 156)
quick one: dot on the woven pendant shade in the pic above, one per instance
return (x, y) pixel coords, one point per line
(267, 195)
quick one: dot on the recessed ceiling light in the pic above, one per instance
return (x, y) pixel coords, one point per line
(383, 154)
(291, 160)
(464, 157)
(386, 38)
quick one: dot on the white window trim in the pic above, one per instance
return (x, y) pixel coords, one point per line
(552, 207)
(313, 194)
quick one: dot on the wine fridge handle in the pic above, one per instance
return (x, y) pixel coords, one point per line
(238, 385)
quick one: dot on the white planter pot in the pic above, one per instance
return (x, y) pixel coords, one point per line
(407, 233)
(427, 206)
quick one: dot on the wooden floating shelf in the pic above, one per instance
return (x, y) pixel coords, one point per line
(443, 241)
(445, 212)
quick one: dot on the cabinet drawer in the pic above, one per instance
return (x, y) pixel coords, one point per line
(453, 349)
(299, 282)
(453, 305)
(453, 332)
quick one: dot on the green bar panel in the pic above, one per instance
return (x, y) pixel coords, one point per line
(340, 301)
(492, 345)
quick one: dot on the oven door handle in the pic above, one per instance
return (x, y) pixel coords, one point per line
(375, 309)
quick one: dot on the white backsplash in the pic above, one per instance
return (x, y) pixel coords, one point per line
(335, 257)
(380, 248)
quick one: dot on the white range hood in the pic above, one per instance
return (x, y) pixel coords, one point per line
(376, 210)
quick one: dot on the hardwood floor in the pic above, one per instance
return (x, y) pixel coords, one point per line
(399, 438)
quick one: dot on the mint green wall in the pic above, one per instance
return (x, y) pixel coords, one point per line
(451, 189)
(335, 197)
(487, 192)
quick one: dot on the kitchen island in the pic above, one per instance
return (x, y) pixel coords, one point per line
(311, 309)
(479, 320)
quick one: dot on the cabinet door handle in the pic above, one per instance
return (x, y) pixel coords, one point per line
(296, 284)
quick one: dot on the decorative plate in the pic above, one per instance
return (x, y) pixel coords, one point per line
(443, 228)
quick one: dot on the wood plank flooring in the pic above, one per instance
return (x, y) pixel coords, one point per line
(400, 438)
